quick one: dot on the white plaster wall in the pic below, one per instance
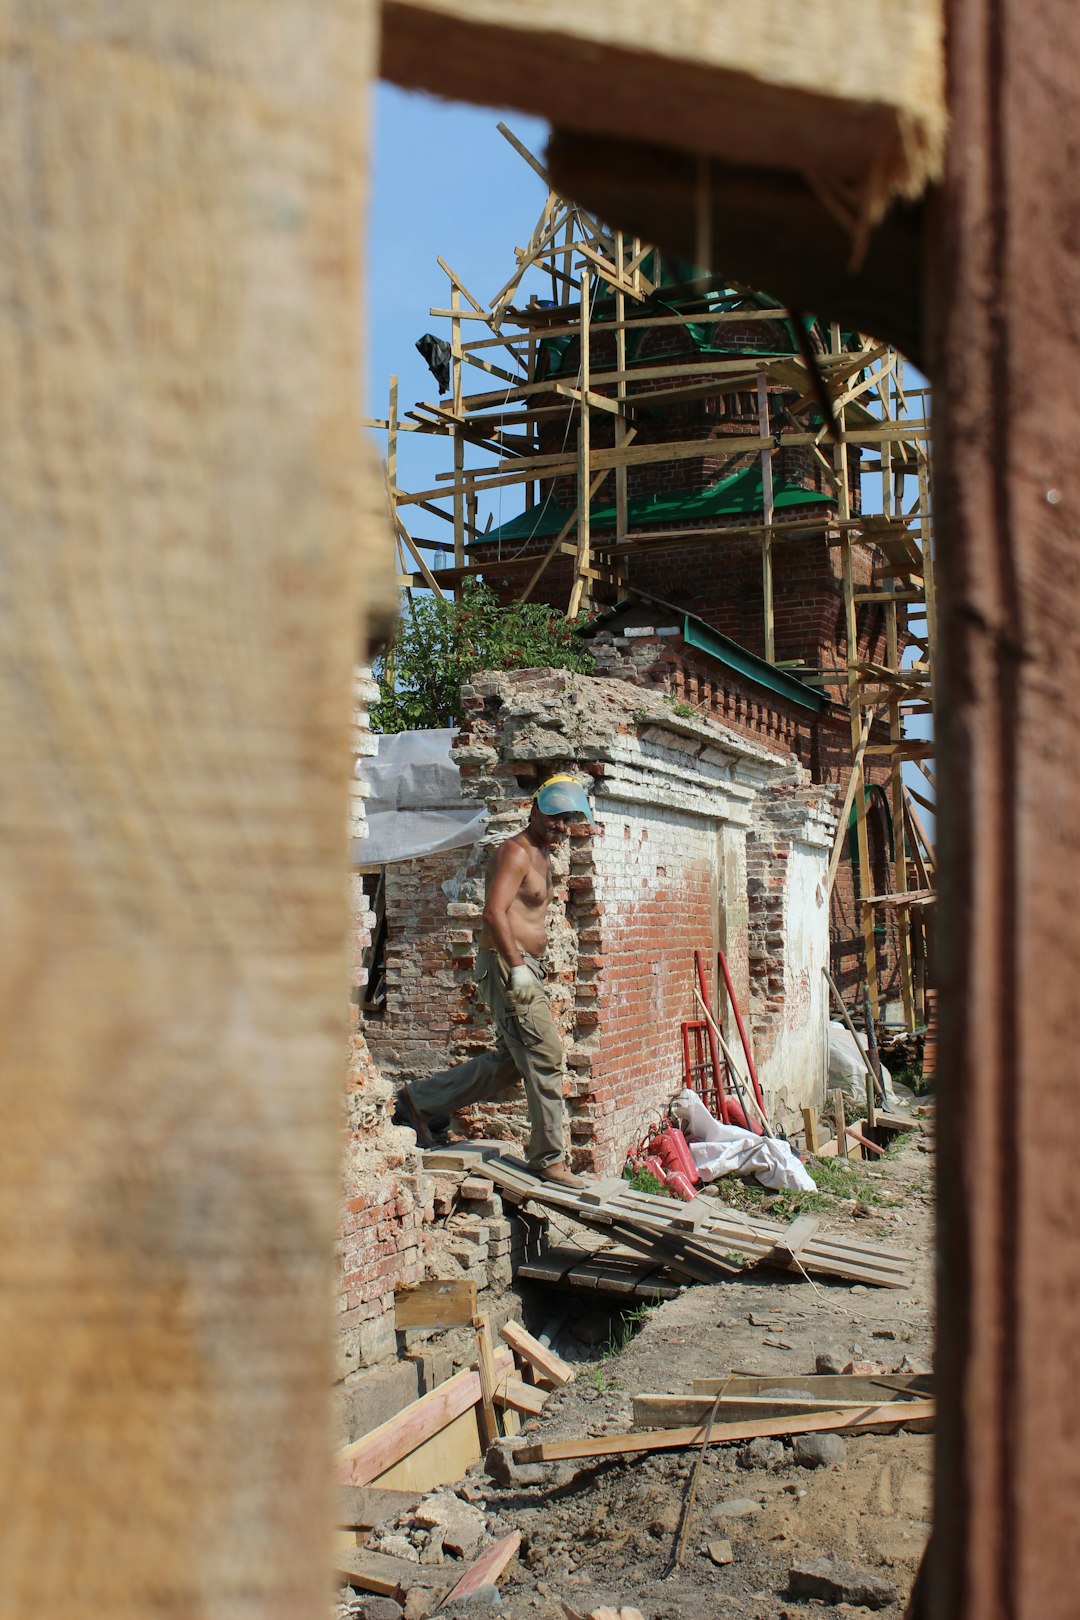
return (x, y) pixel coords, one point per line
(793, 1075)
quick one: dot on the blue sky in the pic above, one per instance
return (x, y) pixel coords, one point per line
(445, 183)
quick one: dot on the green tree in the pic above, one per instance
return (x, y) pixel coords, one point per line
(441, 643)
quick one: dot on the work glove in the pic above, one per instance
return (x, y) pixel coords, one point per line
(524, 986)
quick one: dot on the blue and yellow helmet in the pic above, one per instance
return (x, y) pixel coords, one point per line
(562, 796)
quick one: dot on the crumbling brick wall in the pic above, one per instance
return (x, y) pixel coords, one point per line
(385, 1197)
(653, 655)
(663, 874)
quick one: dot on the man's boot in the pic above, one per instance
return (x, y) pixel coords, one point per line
(559, 1174)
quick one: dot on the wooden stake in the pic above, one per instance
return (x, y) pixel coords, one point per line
(849, 796)
(841, 1127)
(867, 1065)
(485, 1411)
(767, 507)
(810, 1129)
(875, 1063)
(580, 585)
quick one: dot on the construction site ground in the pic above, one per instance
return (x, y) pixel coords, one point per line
(602, 1532)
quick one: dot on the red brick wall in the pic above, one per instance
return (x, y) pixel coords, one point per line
(654, 881)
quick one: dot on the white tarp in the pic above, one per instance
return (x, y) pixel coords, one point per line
(847, 1071)
(723, 1150)
(415, 806)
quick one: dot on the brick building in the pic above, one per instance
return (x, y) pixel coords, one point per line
(708, 837)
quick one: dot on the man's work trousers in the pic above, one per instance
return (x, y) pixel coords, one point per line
(528, 1046)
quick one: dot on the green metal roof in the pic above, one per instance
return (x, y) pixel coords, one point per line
(738, 495)
(696, 633)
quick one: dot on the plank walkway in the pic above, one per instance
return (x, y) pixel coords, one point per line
(704, 1240)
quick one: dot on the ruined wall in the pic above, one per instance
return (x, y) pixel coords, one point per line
(385, 1197)
(430, 909)
(664, 873)
(653, 655)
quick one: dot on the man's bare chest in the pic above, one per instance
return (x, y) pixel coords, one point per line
(536, 886)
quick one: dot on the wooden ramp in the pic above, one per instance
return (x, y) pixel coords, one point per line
(704, 1240)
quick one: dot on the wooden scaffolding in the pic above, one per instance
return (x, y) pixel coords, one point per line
(829, 393)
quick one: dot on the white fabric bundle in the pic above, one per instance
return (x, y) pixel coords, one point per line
(721, 1150)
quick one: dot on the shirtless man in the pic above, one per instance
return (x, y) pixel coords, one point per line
(509, 980)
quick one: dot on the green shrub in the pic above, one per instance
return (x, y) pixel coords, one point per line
(440, 644)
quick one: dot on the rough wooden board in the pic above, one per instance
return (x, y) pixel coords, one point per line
(677, 1411)
(371, 1456)
(191, 557)
(896, 1122)
(848, 91)
(440, 1459)
(438, 1302)
(784, 237)
(851, 1421)
(831, 1387)
(544, 1362)
(380, 1573)
(522, 1397)
(620, 1272)
(487, 1568)
(361, 1506)
(790, 1245)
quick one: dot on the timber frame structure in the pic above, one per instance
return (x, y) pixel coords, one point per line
(834, 395)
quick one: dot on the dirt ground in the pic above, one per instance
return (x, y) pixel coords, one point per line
(603, 1532)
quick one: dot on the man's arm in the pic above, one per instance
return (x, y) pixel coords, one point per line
(509, 868)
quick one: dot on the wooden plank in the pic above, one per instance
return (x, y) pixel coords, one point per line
(644, 1222)
(787, 1248)
(831, 94)
(810, 1129)
(892, 1414)
(864, 1142)
(380, 1573)
(544, 1362)
(485, 1366)
(439, 1302)
(897, 1122)
(361, 1506)
(487, 1568)
(441, 1459)
(523, 1397)
(837, 1389)
(849, 799)
(677, 1411)
(367, 1458)
(621, 1272)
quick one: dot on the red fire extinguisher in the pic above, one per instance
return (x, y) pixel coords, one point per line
(669, 1146)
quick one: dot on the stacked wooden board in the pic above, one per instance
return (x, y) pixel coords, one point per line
(704, 1240)
(594, 1263)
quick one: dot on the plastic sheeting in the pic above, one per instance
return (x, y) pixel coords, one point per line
(415, 806)
(847, 1071)
(723, 1150)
